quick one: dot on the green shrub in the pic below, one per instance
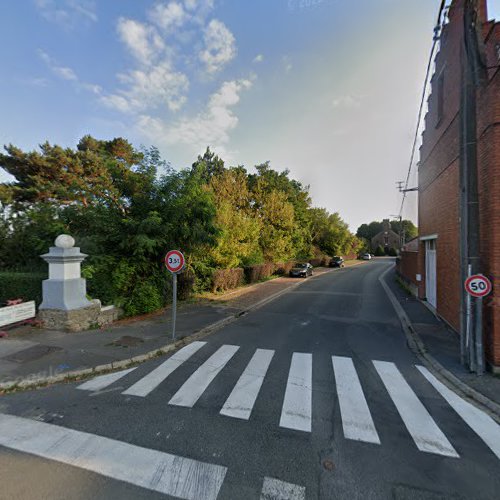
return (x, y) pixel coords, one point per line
(379, 251)
(17, 285)
(226, 279)
(393, 252)
(145, 297)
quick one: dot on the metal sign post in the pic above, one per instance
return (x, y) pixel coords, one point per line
(174, 303)
(174, 261)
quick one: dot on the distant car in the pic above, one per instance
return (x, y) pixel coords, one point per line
(337, 262)
(301, 270)
(367, 256)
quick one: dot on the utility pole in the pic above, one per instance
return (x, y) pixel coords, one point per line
(471, 328)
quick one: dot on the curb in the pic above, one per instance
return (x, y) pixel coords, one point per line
(418, 348)
(35, 382)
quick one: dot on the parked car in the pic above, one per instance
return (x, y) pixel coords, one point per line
(301, 270)
(367, 256)
(337, 262)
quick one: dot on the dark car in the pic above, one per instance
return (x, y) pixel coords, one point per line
(301, 270)
(337, 262)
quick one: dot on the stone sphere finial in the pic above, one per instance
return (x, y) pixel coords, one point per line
(65, 241)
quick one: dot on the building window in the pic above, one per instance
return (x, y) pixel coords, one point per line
(386, 240)
(440, 98)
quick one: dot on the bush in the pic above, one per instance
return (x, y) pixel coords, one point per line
(283, 268)
(393, 252)
(259, 272)
(145, 297)
(226, 279)
(316, 262)
(185, 285)
(379, 251)
(17, 285)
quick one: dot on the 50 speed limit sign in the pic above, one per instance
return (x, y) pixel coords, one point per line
(478, 285)
(174, 260)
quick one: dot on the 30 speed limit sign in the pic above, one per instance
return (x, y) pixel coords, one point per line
(478, 285)
(174, 260)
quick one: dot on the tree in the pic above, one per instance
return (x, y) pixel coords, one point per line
(410, 230)
(238, 240)
(208, 165)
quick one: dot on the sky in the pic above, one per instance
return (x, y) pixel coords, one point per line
(328, 89)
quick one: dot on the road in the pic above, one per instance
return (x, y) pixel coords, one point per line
(313, 396)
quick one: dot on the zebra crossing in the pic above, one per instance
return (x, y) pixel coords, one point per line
(174, 475)
(296, 411)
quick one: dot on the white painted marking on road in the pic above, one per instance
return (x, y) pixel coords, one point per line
(169, 474)
(240, 402)
(103, 381)
(481, 423)
(152, 380)
(357, 421)
(274, 489)
(424, 431)
(197, 383)
(297, 406)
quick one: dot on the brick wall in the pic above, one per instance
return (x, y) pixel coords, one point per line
(407, 267)
(439, 190)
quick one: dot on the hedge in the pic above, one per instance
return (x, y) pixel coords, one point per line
(259, 272)
(17, 285)
(225, 279)
(283, 268)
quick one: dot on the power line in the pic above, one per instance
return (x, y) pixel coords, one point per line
(422, 100)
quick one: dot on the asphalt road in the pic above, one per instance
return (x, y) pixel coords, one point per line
(261, 410)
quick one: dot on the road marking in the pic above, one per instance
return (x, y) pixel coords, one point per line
(240, 402)
(197, 383)
(169, 474)
(152, 380)
(481, 423)
(424, 431)
(357, 421)
(103, 381)
(274, 489)
(297, 406)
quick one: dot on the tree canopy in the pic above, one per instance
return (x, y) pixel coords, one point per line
(126, 207)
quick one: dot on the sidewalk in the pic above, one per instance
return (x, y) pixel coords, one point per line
(441, 342)
(32, 356)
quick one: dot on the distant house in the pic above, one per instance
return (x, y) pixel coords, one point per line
(387, 238)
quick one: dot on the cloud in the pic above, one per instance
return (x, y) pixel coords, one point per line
(211, 127)
(142, 40)
(220, 46)
(258, 58)
(347, 101)
(61, 71)
(287, 63)
(67, 13)
(168, 16)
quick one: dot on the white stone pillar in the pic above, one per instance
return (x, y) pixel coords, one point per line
(65, 289)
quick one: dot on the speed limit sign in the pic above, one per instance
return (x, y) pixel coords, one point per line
(174, 260)
(478, 285)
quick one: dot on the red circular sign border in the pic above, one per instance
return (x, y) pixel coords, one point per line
(179, 254)
(474, 294)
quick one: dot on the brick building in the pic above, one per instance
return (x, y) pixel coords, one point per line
(387, 238)
(439, 255)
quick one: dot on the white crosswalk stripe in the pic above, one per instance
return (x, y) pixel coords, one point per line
(101, 382)
(274, 489)
(146, 384)
(158, 471)
(357, 421)
(198, 382)
(424, 431)
(481, 423)
(240, 402)
(297, 406)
